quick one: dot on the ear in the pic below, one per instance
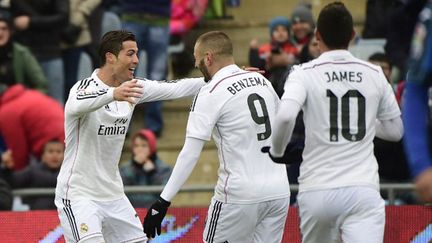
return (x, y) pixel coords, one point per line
(353, 35)
(317, 35)
(208, 58)
(110, 58)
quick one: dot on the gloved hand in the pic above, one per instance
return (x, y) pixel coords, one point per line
(287, 158)
(154, 217)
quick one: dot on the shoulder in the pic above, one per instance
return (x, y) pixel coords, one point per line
(83, 84)
(19, 47)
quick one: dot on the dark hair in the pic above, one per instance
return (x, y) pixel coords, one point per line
(380, 57)
(112, 42)
(335, 25)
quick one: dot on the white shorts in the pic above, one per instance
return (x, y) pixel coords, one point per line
(346, 214)
(240, 223)
(115, 221)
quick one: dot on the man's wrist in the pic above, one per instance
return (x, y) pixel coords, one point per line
(274, 154)
(164, 202)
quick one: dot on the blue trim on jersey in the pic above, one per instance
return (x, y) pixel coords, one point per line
(415, 118)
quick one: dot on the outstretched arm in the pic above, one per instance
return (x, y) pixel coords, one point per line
(168, 90)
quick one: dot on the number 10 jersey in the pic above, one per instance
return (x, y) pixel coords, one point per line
(341, 98)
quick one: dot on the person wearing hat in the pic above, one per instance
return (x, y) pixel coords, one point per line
(303, 25)
(276, 56)
(145, 167)
(26, 69)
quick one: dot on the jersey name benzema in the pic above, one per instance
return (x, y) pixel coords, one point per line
(237, 108)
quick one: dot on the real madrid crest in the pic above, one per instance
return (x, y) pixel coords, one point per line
(83, 228)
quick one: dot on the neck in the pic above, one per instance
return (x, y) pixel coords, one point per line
(221, 64)
(107, 76)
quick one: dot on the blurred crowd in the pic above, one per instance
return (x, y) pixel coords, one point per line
(42, 44)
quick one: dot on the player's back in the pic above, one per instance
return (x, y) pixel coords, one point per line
(242, 105)
(344, 97)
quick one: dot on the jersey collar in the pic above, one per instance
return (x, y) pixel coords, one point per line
(226, 71)
(336, 55)
(95, 77)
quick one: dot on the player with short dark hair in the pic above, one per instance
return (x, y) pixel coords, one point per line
(251, 197)
(90, 198)
(346, 102)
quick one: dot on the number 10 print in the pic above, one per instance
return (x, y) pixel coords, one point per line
(345, 113)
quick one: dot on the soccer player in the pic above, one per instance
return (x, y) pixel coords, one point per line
(252, 193)
(346, 102)
(415, 106)
(90, 199)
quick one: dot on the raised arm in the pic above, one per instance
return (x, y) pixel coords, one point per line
(168, 90)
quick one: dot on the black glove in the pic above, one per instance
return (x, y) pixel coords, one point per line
(154, 217)
(285, 159)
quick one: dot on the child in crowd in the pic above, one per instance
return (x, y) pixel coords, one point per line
(145, 168)
(277, 56)
(39, 174)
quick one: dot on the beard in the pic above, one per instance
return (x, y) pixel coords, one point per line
(204, 71)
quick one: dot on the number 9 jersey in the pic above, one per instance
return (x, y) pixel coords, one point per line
(238, 108)
(341, 98)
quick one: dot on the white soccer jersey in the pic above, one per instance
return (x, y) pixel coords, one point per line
(96, 126)
(238, 107)
(342, 97)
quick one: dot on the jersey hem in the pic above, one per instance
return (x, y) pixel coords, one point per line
(326, 187)
(221, 199)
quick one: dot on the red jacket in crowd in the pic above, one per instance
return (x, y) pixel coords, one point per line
(29, 119)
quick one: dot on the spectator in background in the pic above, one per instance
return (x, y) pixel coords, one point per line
(6, 197)
(378, 18)
(149, 21)
(28, 119)
(276, 56)
(27, 70)
(382, 60)
(75, 37)
(416, 108)
(399, 32)
(38, 25)
(185, 15)
(145, 168)
(39, 174)
(303, 25)
(391, 158)
(309, 51)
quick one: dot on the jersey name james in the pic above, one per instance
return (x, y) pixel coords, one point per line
(345, 76)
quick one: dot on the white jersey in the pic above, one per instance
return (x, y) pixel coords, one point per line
(238, 107)
(342, 97)
(96, 126)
